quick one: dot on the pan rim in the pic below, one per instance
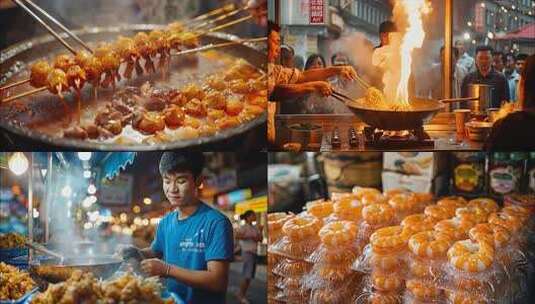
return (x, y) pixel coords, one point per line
(66, 143)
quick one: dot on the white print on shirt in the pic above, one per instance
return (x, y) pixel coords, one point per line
(194, 243)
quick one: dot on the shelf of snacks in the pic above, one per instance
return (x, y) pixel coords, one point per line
(377, 245)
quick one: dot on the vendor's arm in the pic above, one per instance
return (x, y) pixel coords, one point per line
(346, 72)
(285, 92)
(148, 253)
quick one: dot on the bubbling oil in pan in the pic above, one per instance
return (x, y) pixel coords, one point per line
(190, 69)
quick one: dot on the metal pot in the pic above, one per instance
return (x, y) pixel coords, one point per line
(481, 96)
(306, 137)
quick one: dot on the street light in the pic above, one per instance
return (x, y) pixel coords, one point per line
(147, 201)
(91, 189)
(18, 163)
(466, 36)
(84, 156)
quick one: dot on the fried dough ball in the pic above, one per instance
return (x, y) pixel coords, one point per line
(216, 83)
(57, 81)
(64, 62)
(39, 74)
(174, 117)
(149, 122)
(195, 108)
(192, 91)
(76, 76)
(215, 100)
(234, 106)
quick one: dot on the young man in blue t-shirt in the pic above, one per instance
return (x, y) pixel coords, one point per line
(193, 245)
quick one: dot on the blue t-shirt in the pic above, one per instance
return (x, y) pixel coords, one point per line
(204, 236)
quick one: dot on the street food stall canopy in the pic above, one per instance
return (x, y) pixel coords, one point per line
(110, 163)
(526, 32)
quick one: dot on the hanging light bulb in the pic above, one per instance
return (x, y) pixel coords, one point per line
(87, 174)
(84, 155)
(18, 163)
(91, 189)
(66, 191)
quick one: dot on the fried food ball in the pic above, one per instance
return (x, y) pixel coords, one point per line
(195, 108)
(174, 117)
(149, 122)
(57, 81)
(39, 73)
(192, 91)
(215, 100)
(234, 106)
(64, 62)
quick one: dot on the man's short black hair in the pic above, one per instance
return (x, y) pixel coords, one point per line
(521, 56)
(387, 27)
(484, 48)
(182, 161)
(497, 53)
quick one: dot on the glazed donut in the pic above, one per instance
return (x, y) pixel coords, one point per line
(455, 227)
(492, 233)
(328, 255)
(487, 204)
(386, 262)
(422, 290)
(333, 273)
(423, 199)
(301, 228)
(277, 219)
(372, 198)
(320, 208)
(471, 256)
(430, 244)
(473, 214)
(463, 298)
(386, 282)
(348, 208)
(439, 212)
(384, 298)
(452, 202)
(387, 240)
(338, 233)
(403, 202)
(360, 191)
(419, 268)
(292, 268)
(395, 191)
(377, 214)
(417, 223)
(510, 222)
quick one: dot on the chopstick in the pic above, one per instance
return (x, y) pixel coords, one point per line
(225, 25)
(224, 16)
(219, 45)
(342, 96)
(46, 26)
(63, 27)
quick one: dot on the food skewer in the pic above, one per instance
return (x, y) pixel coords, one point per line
(46, 26)
(217, 11)
(107, 61)
(219, 18)
(60, 25)
(219, 45)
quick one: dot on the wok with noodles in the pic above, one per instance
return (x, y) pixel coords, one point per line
(172, 102)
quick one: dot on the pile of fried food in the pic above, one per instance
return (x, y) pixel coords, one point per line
(163, 115)
(11, 240)
(14, 283)
(84, 288)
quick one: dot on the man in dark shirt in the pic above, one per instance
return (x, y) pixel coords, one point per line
(485, 74)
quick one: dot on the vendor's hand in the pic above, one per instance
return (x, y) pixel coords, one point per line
(154, 267)
(323, 87)
(347, 72)
(129, 252)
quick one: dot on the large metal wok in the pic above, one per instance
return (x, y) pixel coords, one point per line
(54, 270)
(421, 112)
(46, 108)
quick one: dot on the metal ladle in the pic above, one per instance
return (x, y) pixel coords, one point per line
(45, 250)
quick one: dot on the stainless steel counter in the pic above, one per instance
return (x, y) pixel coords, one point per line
(441, 130)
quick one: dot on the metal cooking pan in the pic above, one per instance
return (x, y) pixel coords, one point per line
(52, 270)
(46, 107)
(422, 112)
